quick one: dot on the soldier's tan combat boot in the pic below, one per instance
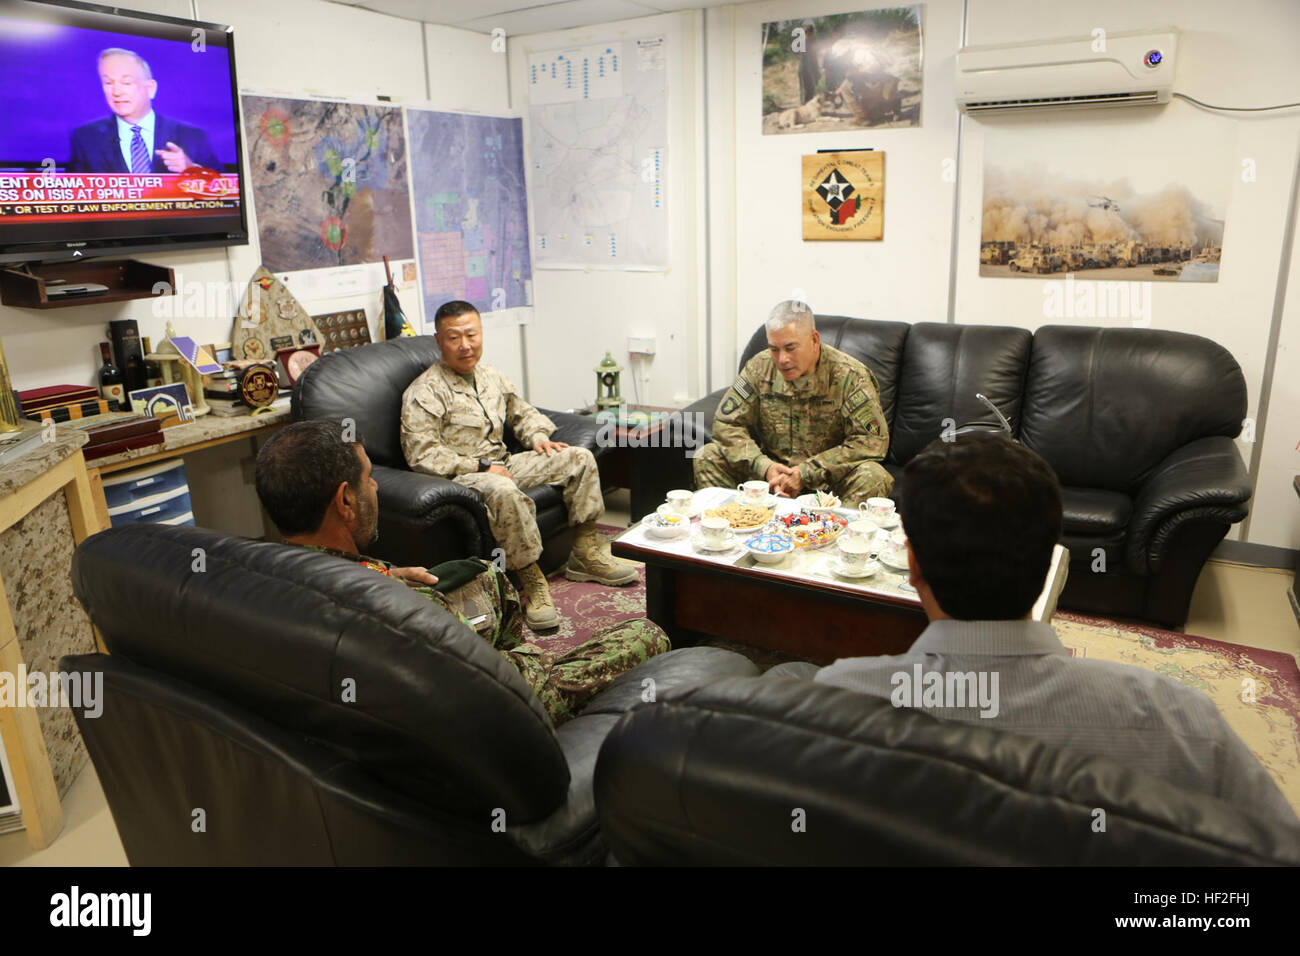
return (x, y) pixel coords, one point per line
(539, 609)
(590, 560)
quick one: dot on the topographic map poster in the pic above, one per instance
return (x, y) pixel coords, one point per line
(329, 182)
(598, 134)
(471, 215)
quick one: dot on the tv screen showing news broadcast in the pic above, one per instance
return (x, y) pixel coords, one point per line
(119, 130)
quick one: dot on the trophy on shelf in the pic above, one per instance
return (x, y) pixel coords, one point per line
(183, 360)
(9, 420)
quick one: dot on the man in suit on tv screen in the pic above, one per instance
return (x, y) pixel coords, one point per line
(135, 139)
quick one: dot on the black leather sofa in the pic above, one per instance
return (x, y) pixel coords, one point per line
(318, 713)
(780, 771)
(1138, 424)
(423, 520)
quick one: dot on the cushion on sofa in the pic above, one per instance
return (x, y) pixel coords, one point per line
(943, 369)
(878, 345)
(1090, 405)
(1094, 511)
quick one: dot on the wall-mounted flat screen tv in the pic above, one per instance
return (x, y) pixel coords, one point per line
(119, 133)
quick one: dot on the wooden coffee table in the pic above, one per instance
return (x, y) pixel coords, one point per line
(799, 606)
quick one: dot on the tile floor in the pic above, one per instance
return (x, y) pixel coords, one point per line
(1232, 602)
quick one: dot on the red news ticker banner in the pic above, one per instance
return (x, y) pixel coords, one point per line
(78, 197)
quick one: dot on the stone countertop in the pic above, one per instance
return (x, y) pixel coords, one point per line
(205, 429)
(40, 460)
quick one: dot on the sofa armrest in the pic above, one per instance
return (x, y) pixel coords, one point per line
(571, 836)
(415, 509)
(1204, 480)
(578, 430)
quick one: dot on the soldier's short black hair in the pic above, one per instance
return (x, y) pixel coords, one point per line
(982, 514)
(300, 468)
(449, 310)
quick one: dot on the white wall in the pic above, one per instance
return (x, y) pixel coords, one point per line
(291, 47)
(578, 315)
(1245, 59)
(753, 250)
(901, 277)
(1240, 55)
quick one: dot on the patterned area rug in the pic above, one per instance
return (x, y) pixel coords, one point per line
(1270, 725)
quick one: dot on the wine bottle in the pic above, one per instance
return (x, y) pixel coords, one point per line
(153, 375)
(110, 380)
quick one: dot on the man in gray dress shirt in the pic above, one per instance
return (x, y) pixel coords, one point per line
(982, 515)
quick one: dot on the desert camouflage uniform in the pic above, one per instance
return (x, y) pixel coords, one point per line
(564, 683)
(829, 423)
(448, 424)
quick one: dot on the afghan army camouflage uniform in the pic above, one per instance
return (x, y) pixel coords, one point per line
(829, 423)
(449, 422)
(564, 683)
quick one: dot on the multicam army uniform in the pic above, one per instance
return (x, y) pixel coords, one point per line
(564, 683)
(450, 421)
(828, 423)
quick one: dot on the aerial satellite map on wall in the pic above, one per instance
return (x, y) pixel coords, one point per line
(329, 182)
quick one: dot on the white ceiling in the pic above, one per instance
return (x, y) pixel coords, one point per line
(525, 16)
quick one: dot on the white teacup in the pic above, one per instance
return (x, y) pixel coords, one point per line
(866, 530)
(715, 532)
(898, 538)
(855, 552)
(681, 501)
(878, 509)
(754, 492)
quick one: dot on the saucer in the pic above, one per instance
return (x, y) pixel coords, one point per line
(837, 567)
(889, 524)
(697, 543)
(883, 558)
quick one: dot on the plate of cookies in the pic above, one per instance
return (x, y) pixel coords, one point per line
(742, 517)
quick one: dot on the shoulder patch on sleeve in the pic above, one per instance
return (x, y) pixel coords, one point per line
(742, 389)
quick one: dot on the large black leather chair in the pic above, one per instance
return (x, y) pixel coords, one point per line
(1138, 424)
(319, 713)
(782, 771)
(423, 520)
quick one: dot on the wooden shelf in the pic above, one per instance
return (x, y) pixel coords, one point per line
(126, 279)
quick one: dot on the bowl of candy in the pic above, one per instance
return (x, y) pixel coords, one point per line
(666, 523)
(810, 529)
(770, 547)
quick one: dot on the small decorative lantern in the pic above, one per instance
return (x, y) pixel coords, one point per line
(607, 393)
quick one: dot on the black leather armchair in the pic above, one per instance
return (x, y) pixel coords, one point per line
(318, 713)
(423, 520)
(781, 771)
(1137, 423)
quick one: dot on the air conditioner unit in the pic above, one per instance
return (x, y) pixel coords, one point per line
(1116, 69)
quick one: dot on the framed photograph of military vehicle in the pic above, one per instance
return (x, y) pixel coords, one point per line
(1133, 204)
(844, 71)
